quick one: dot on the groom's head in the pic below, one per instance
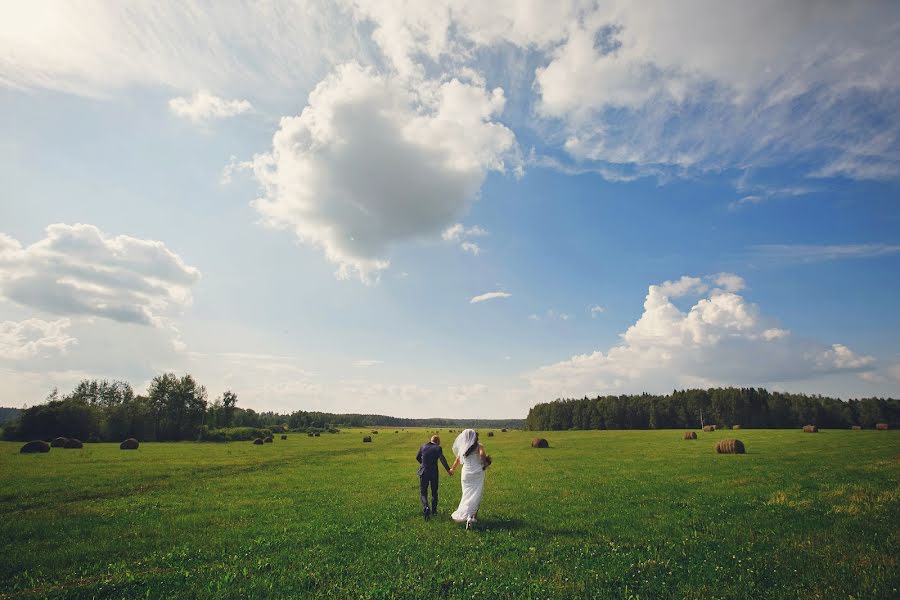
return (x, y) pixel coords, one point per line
(435, 440)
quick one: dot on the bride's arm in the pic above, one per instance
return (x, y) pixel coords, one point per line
(455, 464)
(481, 453)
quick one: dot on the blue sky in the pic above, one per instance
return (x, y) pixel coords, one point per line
(303, 202)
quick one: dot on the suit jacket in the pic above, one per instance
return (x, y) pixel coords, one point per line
(428, 457)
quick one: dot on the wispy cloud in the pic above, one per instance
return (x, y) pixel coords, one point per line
(808, 253)
(596, 310)
(203, 106)
(489, 296)
(457, 233)
(366, 363)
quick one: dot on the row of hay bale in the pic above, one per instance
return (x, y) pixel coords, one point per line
(266, 440)
(40, 446)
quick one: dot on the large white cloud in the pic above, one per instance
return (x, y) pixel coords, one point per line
(371, 161)
(77, 270)
(721, 340)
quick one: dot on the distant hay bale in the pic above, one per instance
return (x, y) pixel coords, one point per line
(368, 438)
(73, 444)
(540, 443)
(730, 446)
(881, 426)
(810, 429)
(268, 440)
(316, 434)
(708, 428)
(129, 444)
(490, 434)
(309, 434)
(395, 431)
(735, 426)
(35, 447)
(284, 437)
(690, 435)
(59, 442)
(503, 430)
(856, 428)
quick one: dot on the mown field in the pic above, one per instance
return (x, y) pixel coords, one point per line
(640, 514)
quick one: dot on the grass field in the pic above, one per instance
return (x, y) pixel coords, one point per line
(612, 514)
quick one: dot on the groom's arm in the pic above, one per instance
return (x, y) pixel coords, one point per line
(419, 456)
(444, 461)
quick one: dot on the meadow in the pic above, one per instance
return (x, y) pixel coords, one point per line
(629, 514)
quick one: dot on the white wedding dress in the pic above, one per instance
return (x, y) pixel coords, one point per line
(472, 477)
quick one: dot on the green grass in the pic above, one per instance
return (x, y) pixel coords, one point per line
(612, 514)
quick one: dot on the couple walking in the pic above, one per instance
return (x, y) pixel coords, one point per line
(473, 459)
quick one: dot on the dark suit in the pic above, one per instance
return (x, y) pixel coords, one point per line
(428, 457)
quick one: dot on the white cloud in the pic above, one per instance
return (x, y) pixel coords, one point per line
(489, 296)
(682, 287)
(722, 340)
(78, 270)
(34, 338)
(365, 363)
(458, 233)
(203, 106)
(595, 310)
(370, 162)
(728, 282)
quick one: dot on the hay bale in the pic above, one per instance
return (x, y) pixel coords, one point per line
(810, 429)
(129, 444)
(35, 446)
(856, 428)
(690, 435)
(708, 428)
(374, 431)
(540, 443)
(268, 439)
(309, 434)
(74, 444)
(503, 430)
(490, 434)
(368, 438)
(258, 442)
(881, 426)
(284, 437)
(735, 426)
(730, 446)
(316, 434)
(59, 442)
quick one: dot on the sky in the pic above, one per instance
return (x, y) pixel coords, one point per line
(450, 209)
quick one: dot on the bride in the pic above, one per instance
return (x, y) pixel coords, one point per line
(471, 455)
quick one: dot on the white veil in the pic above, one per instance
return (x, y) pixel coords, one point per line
(464, 441)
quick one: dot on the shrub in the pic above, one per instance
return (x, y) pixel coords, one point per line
(59, 442)
(690, 435)
(368, 438)
(129, 444)
(73, 444)
(540, 443)
(881, 426)
(810, 429)
(35, 446)
(234, 434)
(258, 442)
(730, 446)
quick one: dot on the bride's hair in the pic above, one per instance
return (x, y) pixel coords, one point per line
(473, 446)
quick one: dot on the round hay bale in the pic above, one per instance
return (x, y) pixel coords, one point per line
(59, 442)
(309, 434)
(374, 431)
(316, 434)
(855, 428)
(129, 444)
(810, 429)
(35, 446)
(708, 428)
(284, 437)
(368, 438)
(395, 431)
(730, 446)
(258, 442)
(881, 426)
(73, 444)
(268, 439)
(690, 435)
(735, 426)
(490, 434)
(540, 443)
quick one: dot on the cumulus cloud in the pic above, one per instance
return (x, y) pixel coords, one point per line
(489, 296)
(721, 339)
(78, 270)
(203, 106)
(34, 338)
(370, 162)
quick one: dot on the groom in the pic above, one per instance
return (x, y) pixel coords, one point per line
(429, 455)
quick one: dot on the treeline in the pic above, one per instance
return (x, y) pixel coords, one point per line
(687, 409)
(177, 408)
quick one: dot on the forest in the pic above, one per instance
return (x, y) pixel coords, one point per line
(177, 408)
(686, 409)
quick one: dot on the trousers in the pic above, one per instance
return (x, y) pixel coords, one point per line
(429, 479)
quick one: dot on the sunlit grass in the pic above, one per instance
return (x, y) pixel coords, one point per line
(643, 514)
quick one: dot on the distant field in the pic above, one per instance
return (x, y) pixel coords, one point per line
(622, 514)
